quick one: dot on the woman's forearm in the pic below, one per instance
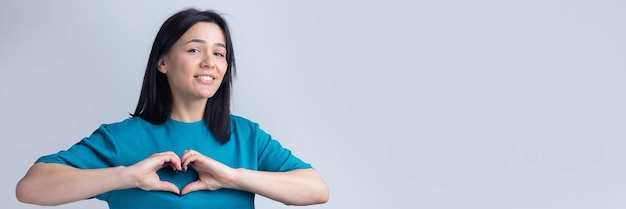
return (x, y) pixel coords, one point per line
(297, 187)
(55, 184)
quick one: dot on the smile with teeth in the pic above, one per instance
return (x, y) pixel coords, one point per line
(205, 77)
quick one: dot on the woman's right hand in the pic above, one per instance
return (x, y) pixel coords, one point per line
(143, 174)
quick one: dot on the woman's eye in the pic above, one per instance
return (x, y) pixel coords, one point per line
(219, 54)
(193, 50)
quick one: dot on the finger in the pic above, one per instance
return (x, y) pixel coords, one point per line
(192, 187)
(188, 153)
(171, 159)
(189, 156)
(188, 160)
(166, 186)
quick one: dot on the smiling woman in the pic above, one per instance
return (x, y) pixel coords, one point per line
(195, 66)
(182, 148)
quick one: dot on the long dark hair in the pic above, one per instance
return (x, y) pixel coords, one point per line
(155, 101)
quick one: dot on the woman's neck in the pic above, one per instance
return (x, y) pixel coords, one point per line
(188, 111)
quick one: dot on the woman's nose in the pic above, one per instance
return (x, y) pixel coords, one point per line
(208, 61)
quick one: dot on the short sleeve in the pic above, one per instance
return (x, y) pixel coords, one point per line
(96, 151)
(274, 157)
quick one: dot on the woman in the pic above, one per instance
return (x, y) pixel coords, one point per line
(181, 148)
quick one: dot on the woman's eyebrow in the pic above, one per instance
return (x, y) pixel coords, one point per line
(220, 45)
(196, 41)
(204, 42)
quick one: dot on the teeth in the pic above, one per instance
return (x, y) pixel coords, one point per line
(205, 77)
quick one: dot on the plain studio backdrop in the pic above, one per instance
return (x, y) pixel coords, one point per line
(398, 104)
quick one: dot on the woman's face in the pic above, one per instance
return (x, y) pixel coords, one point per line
(196, 63)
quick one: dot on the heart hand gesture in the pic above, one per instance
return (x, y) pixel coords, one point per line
(212, 175)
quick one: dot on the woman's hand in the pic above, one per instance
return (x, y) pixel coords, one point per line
(143, 174)
(212, 175)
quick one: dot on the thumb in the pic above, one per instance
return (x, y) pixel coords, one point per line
(166, 186)
(192, 187)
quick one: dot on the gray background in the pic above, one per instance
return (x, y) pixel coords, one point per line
(429, 104)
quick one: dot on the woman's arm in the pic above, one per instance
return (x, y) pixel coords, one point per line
(297, 187)
(55, 184)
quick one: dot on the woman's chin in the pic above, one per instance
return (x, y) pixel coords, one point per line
(206, 95)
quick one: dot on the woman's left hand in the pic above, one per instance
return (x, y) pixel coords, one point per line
(212, 175)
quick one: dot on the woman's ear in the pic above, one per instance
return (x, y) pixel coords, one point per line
(161, 65)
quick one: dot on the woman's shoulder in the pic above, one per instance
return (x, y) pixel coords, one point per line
(241, 123)
(125, 125)
(240, 119)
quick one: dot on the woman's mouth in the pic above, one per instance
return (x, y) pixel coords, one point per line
(205, 79)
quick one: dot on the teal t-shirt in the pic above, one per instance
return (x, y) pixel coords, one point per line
(132, 140)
